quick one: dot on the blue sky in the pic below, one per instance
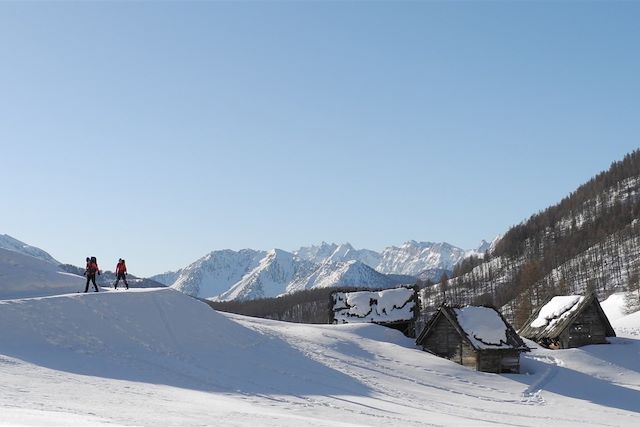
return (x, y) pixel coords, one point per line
(158, 132)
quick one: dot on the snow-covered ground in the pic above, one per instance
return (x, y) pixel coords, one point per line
(159, 357)
(24, 276)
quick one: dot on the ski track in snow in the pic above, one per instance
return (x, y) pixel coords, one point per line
(533, 393)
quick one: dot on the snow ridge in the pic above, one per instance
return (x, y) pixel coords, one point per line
(24, 276)
(9, 243)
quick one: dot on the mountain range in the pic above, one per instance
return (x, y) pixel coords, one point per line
(250, 274)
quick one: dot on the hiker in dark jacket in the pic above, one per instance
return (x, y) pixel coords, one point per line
(92, 270)
(121, 273)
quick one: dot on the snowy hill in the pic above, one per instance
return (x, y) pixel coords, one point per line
(24, 276)
(9, 243)
(159, 357)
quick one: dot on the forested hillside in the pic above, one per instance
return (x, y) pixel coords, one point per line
(588, 241)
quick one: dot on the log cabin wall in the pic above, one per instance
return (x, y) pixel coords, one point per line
(498, 361)
(587, 328)
(444, 341)
(469, 356)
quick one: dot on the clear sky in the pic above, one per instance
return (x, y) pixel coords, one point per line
(158, 132)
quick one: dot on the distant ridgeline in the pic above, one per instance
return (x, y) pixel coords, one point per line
(590, 241)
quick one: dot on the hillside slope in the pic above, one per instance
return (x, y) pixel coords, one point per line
(23, 276)
(121, 358)
(588, 241)
(15, 245)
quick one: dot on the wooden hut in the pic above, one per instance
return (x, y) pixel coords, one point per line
(474, 336)
(396, 308)
(569, 321)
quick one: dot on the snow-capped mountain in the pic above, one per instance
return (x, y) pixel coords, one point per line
(484, 247)
(216, 272)
(413, 258)
(15, 245)
(168, 278)
(316, 254)
(346, 252)
(275, 274)
(338, 253)
(250, 274)
(349, 273)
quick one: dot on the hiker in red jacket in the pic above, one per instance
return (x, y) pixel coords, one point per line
(121, 273)
(90, 272)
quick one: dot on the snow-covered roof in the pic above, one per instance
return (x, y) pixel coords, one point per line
(555, 310)
(483, 327)
(550, 320)
(390, 305)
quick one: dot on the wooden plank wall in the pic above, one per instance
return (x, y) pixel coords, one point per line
(587, 328)
(444, 341)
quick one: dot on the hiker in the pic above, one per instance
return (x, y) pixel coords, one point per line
(121, 273)
(90, 272)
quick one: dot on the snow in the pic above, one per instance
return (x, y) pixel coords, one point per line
(350, 273)
(23, 276)
(15, 245)
(275, 274)
(555, 310)
(159, 357)
(412, 258)
(613, 306)
(628, 325)
(366, 306)
(248, 274)
(484, 327)
(215, 273)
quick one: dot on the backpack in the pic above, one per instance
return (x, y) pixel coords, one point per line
(92, 267)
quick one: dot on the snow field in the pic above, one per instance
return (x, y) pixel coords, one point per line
(159, 357)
